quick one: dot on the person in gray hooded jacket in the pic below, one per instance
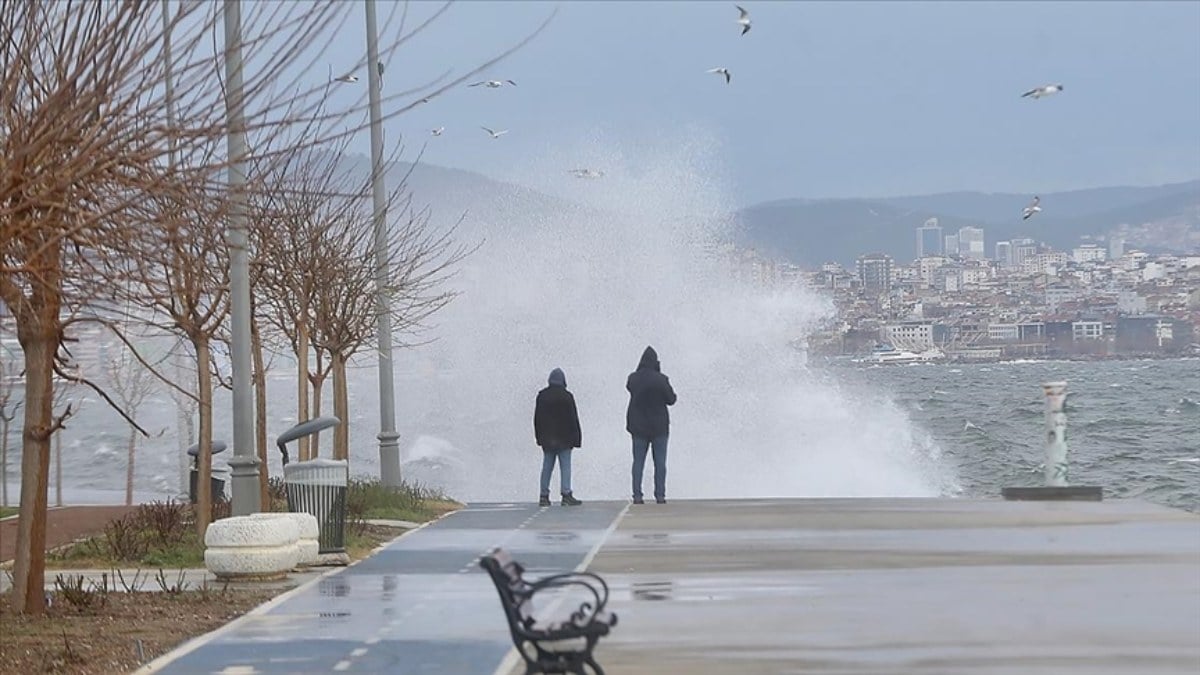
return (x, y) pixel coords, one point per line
(556, 429)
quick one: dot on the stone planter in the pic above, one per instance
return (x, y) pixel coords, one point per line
(246, 547)
(309, 547)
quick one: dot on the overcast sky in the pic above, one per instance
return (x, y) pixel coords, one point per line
(827, 99)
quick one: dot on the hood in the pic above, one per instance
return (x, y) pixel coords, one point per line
(557, 378)
(649, 359)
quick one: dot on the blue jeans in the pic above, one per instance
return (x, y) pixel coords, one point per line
(640, 447)
(564, 469)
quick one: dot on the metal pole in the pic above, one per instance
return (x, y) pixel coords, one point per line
(1056, 434)
(389, 447)
(244, 464)
(177, 357)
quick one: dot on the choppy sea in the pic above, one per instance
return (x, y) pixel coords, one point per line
(1133, 427)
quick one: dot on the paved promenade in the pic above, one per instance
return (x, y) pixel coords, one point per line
(763, 586)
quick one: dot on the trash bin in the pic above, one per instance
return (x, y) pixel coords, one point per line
(318, 486)
(216, 483)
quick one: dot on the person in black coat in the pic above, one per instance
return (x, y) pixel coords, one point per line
(556, 428)
(648, 422)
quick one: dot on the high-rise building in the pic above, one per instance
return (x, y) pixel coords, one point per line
(1022, 250)
(1116, 248)
(875, 271)
(950, 245)
(1004, 253)
(929, 239)
(970, 243)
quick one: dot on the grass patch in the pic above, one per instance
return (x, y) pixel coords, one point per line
(6, 511)
(158, 534)
(370, 499)
(163, 534)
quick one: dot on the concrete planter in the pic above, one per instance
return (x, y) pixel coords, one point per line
(309, 532)
(250, 547)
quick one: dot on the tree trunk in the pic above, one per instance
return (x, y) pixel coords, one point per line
(4, 463)
(318, 383)
(38, 335)
(260, 415)
(129, 466)
(204, 458)
(58, 468)
(341, 405)
(302, 381)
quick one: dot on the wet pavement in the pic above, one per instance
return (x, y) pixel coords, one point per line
(419, 605)
(918, 586)
(903, 586)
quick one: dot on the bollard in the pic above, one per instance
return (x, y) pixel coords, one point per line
(1056, 434)
(1055, 475)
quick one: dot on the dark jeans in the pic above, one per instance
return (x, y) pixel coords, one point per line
(640, 448)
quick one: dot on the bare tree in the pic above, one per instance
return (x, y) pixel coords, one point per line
(84, 139)
(131, 383)
(347, 308)
(82, 134)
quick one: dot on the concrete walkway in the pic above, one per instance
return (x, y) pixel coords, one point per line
(903, 586)
(762, 586)
(420, 605)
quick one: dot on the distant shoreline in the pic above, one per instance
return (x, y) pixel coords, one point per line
(852, 360)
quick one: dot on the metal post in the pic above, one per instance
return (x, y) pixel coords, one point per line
(244, 464)
(1056, 434)
(389, 448)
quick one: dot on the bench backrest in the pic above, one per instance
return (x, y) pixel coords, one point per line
(506, 575)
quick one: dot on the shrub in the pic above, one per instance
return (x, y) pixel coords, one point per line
(124, 539)
(165, 522)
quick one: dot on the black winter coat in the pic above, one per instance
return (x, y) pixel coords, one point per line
(650, 393)
(555, 419)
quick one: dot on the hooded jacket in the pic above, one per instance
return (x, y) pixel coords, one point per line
(650, 393)
(555, 419)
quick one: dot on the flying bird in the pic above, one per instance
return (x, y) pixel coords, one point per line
(495, 134)
(1031, 209)
(587, 173)
(743, 19)
(1038, 92)
(493, 84)
(348, 77)
(721, 71)
(438, 131)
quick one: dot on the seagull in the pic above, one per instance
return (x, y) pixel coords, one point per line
(1031, 209)
(348, 77)
(438, 131)
(587, 173)
(493, 84)
(1047, 90)
(743, 19)
(495, 134)
(721, 71)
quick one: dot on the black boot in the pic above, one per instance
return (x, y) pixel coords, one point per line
(544, 500)
(568, 499)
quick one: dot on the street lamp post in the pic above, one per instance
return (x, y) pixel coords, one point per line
(244, 464)
(389, 447)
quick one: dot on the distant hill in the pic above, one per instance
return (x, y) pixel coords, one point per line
(810, 232)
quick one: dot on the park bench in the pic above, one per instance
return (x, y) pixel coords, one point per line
(548, 645)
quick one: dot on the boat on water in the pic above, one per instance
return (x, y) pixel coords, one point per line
(889, 355)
